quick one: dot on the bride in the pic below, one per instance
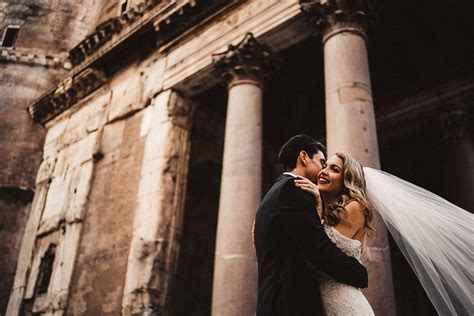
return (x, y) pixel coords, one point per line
(347, 221)
(434, 235)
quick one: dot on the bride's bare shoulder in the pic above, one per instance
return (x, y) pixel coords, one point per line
(354, 216)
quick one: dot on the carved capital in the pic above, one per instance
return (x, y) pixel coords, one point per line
(455, 125)
(248, 61)
(331, 17)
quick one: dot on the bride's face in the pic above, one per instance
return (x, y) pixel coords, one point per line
(331, 178)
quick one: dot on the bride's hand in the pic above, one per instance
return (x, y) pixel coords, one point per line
(310, 187)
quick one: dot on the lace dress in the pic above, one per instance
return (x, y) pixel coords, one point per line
(339, 298)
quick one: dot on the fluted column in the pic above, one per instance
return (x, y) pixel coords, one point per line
(350, 119)
(235, 267)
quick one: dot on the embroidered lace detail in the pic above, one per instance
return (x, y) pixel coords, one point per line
(350, 247)
(339, 298)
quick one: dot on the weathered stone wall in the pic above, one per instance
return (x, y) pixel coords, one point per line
(97, 284)
(96, 143)
(21, 143)
(49, 26)
(48, 29)
(93, 154)
(62, 189)
(108, 162)
(33, 65)
(21, 139)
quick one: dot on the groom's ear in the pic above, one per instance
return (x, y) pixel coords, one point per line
(302, 157)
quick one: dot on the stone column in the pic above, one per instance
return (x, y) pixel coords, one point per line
(235, 267)
(457, 156)
(160, 205)
(350, 119)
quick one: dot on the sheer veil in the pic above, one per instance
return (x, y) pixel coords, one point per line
(435, 236)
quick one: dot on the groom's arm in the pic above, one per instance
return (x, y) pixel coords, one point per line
(300, 221)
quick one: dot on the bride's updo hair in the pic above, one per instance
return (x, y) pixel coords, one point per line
(354, 190)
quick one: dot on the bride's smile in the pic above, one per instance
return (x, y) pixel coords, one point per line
(330, 179)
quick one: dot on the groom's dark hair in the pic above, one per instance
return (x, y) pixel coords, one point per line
(291, 149)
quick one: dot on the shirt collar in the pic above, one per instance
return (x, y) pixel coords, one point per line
(290, 174)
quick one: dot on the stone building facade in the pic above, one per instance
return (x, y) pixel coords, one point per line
(35, 39)
(140, 136)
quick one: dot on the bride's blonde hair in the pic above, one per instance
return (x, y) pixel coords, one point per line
(354, 190)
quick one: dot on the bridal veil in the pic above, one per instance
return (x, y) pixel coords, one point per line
(435, 236)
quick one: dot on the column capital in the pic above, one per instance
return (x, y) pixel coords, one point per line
(331, 17)
(247, 62)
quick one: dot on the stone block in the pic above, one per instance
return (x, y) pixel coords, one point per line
(70, 181)
(86, 119)
(53, 143)
(112, 137)
(146, 120)
(79, 188)
(153, 76)
(126, 93)
(55, 201)
(46, 169)
(66, 253)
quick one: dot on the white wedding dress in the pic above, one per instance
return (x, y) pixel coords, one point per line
(339, 298)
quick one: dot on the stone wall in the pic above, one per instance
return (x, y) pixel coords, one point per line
(99, 277)
(110, 160)
(62, 189)
(33, 65)
(47, 30)
(93, 182)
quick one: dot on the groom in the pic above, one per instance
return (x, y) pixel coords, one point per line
(289, 239)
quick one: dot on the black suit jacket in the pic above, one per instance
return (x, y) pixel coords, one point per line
(288, 235)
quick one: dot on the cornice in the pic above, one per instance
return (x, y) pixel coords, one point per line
(64, 95)
(114, 44)
(111, 33)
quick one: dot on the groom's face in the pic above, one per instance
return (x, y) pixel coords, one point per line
(314, 165)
